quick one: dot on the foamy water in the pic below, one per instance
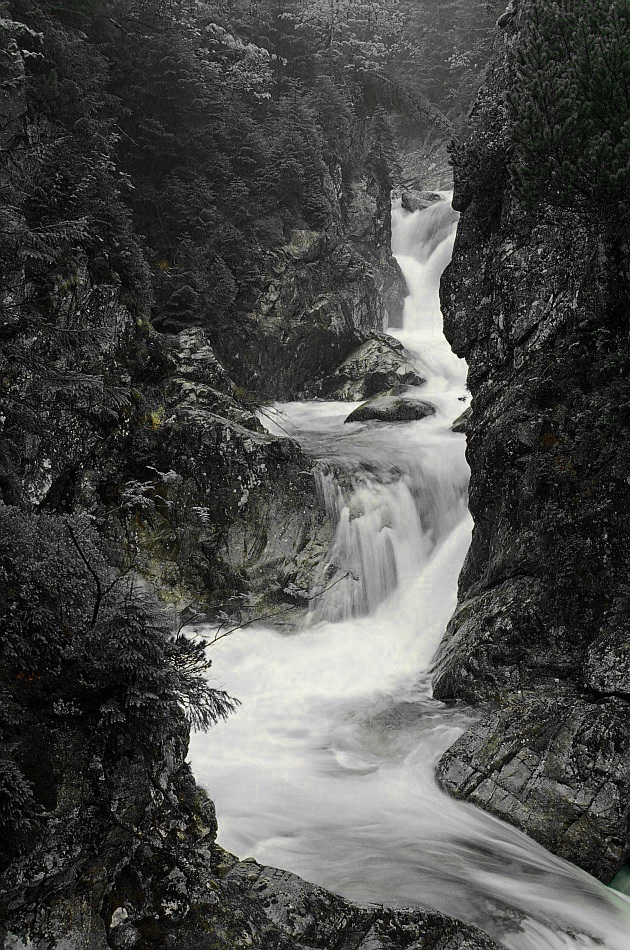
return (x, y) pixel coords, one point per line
(327, 768)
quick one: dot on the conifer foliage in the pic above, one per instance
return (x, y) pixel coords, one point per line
(570, 106)
(83, 645)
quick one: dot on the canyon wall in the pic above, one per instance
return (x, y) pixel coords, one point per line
(536, 300)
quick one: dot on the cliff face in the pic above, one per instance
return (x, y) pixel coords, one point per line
(531, 301)
(321, 295)
(215, 509)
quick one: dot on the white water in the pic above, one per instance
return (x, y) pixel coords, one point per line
(327, 768)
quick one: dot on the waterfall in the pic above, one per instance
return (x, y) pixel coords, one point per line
(327, 768)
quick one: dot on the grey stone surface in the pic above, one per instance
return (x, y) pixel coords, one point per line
(418, 200)
(319, 296)
(312, 917)
(556, 766)
(376, 366)
(391, 408)
(461, 423)
(230, 486)
(607, 663)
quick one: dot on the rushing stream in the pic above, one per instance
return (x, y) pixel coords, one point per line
(327, 767)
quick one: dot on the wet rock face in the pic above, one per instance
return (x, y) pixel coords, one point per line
(235, 511)
(418, 200)
(312, 917)
(559, 766)
(321, 294)
(461, 423)
(528, 301)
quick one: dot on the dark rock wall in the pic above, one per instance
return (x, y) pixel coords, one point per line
(216, 511)
(322, 294)
(542, 627)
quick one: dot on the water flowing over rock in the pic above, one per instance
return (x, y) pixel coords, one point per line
(155, 877)
(530, 301)
(236, 518)
(328, 769)
(379, 364)
(418, 200)
(524, 760)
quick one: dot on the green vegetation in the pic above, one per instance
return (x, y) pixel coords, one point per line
(570, 106)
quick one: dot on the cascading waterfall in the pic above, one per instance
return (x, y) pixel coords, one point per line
(327, 768)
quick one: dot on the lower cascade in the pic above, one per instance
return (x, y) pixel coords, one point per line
(327, 769)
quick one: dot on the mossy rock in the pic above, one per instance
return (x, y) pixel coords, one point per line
(391, 408)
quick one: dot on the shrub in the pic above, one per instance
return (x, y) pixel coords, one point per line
(77, 636)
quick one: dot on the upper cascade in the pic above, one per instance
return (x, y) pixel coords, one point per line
(395, 493)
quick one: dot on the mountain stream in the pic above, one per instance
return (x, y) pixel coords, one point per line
(327, 768)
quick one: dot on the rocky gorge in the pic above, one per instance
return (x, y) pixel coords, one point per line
(173, 467)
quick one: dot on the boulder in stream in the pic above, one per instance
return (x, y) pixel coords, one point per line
(461, 423)
(392, 407)
(376, 366)
(418, 200)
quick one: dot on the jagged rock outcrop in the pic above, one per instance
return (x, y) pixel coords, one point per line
(379, 364)
(531, 301)
(461, 423)
(418, 200)
(221, 508)
(558, 764)
(321, 294)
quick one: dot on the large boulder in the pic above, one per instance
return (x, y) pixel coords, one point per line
(418, 200)
(218, 507)
(391, 408)
(376, 366)
(321, 293)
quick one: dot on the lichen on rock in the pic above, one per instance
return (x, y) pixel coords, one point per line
(376, 366)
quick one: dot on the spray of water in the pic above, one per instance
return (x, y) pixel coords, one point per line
(327, 768)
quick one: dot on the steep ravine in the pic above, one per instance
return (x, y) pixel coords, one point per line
(541, 629)
(213, 509)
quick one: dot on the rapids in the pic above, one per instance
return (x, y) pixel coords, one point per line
(327, 767)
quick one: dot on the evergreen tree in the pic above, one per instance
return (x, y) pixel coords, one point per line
(569, 112)
(570, 106)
